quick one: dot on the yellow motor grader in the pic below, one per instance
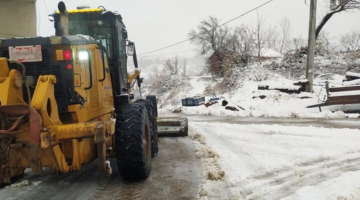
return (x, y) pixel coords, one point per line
(66, 100)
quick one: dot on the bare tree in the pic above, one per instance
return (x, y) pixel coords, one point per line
(285, 31)
(336, 7)
(242, 45)
(272, 38)
(231, 55)
(351, 41)
(323, 44)
(211, 38)
(155, 71)
(296, 43)
(172, 65)
(260, 35)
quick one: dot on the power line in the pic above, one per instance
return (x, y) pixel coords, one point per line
(166, 47)
(46, 7)
(172, 22)
(169, 53)
(217, 27)
(246, 13)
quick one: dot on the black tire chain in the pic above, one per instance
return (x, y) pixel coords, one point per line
(4, 150)
(153, 126)
(129, 142)
(152, 98)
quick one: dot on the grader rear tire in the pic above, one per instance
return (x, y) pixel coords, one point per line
(153, 126)
(133, 142)
(153, 100)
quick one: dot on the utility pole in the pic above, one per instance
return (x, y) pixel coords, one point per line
(311, 46)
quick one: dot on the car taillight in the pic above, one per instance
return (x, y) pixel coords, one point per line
(67, 54)
(69, 66)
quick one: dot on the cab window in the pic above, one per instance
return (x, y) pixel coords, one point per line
(100, 30)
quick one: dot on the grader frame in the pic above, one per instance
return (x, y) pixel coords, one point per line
(97, 119)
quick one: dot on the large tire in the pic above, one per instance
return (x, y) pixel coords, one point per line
(153, 126)
(132, 153)
(153, 100)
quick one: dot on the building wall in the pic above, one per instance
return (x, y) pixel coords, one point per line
(18, 18)
(213, 63)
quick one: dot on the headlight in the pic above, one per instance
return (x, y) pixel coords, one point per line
(83, 55)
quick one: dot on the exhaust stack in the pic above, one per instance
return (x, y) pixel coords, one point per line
(64, 18)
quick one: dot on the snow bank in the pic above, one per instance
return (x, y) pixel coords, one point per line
(265, 103)
(353, 74)
(353, 82)
(213, 176)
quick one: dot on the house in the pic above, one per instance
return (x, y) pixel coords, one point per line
(267, 54)
(214, 64)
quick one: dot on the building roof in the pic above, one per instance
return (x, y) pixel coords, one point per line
(270, 53)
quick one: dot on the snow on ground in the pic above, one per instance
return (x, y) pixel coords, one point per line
(354, 82)
(353, 74)
(275, 104)
(239, 86)
(277, 162)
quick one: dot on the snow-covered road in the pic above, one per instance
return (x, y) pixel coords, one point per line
(277, 162)
(243, 160)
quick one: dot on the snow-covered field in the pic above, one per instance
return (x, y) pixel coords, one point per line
(269, 161)
(277, 162)
(240, 89)
(275, 104)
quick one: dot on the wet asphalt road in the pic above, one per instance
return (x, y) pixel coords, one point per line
(175, 174)
(315, 122)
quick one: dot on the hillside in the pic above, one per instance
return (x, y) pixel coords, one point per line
(240, 88)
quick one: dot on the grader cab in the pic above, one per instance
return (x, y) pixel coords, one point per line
(66, 100)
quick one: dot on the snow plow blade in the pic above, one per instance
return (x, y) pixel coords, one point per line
(172, 126)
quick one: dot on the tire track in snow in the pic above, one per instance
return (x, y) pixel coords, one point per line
(284, 182)
(262, 183)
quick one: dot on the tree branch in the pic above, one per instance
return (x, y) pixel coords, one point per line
(324, 21)
(342, 6)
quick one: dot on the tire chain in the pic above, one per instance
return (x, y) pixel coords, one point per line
(5, 142)
(6, 123)
(4, 150)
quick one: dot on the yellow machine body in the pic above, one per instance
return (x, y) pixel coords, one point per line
(35, 129)
(87, 132)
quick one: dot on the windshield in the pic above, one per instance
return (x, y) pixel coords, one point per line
(100, 30)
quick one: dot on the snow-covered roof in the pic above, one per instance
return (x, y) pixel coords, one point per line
(270, 53)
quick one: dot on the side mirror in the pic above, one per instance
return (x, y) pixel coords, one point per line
(130, 49)
(51, 18)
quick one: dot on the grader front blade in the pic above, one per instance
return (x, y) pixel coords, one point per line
(172, 126)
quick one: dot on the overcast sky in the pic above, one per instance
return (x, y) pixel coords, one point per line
(154, 24)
